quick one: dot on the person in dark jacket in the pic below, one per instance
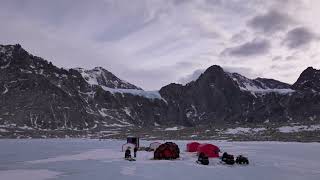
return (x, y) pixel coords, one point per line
(127, 154)
(135, 152)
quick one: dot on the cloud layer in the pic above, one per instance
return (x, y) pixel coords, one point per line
(252, 48)
(300, 37)
(154, 42)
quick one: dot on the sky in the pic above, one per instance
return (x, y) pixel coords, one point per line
(151, 43)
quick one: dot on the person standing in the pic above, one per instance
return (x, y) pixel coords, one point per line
(135, 152)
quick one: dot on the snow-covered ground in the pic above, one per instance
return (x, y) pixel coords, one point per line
(83, 159)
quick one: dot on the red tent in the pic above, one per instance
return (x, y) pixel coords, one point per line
(168, 150)
(192, 147)
(209, 150)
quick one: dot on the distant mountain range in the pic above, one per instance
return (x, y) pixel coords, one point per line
(36, 95)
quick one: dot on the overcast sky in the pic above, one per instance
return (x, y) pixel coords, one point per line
(152, 43)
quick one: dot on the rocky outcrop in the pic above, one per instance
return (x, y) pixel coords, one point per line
(309, 80)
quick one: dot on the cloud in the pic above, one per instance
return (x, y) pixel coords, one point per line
(277, 58)
(245, 71)
(151, 43)
(252, 48)
(240, 36)
(271, 22)
(191, 77)
(299, 37)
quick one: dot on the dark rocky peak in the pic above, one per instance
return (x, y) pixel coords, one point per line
(308, 80)
(102, 77)
(172, 90)
(14, 56)
(6, 55)
(214, 76)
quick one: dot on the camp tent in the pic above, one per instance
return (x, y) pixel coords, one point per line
(127, 145)
(167, 151)
(192, 147)
(209, 150)
(154, 145)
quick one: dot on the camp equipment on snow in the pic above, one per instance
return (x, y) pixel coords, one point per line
(128, 145)
(209, 150)
(167, 151)
(203, 159)
(192, 147)
(227, 158)
(127, 154)
(242, 160)
(153, 146)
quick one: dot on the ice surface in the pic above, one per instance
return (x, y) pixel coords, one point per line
(83, 159)
(41, 174)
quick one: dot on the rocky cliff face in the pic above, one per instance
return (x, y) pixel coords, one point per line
(222, 98)
(309, 80)
(34, 94)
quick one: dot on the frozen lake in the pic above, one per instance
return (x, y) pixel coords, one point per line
(83, 159)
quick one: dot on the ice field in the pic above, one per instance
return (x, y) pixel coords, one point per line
(83, 159)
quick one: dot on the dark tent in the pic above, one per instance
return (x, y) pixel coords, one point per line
(167, 151)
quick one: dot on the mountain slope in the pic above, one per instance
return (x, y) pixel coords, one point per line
(308, 80)
(36, 95)
(102, 77)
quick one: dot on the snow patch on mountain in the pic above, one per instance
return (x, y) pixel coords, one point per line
(259, 85)
(291, 129)
(6, 90)
(173, 128)
(102, 77)
(136, 92)
(109, 82)
(241, 130)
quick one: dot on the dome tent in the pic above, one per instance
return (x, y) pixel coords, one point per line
(167, 151)
(127, 145)
(209, 150)
(154, 145)
(192, 147)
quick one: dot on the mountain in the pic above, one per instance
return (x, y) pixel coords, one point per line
(38, 98)
(308, 80)
(102, 77)
(38, 95)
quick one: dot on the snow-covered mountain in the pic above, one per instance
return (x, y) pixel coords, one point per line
(35, 95)
(111, 83)
(102, 77)
(260, 85)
